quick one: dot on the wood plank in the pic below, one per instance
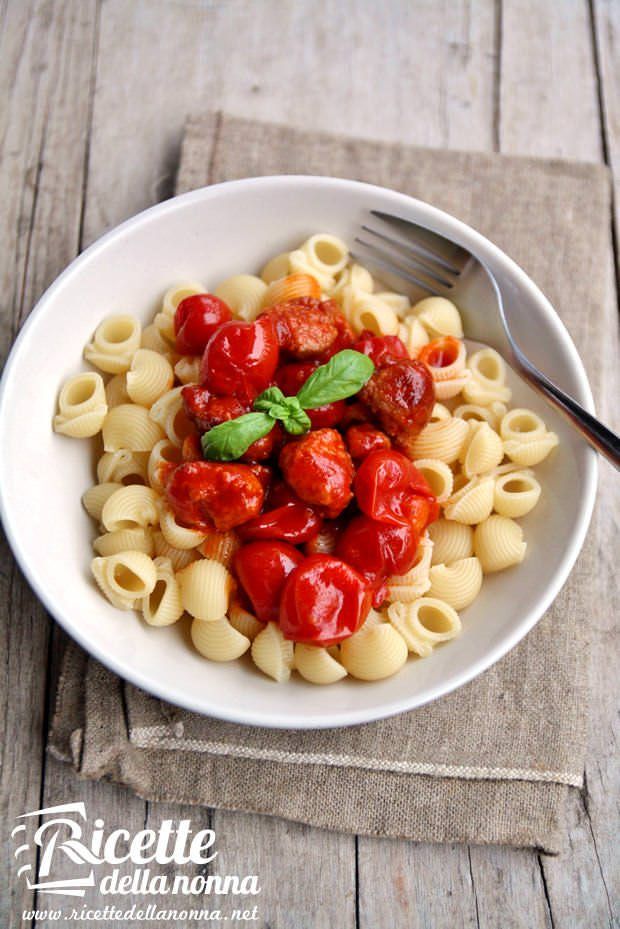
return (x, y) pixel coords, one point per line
(607, 48)
(549, 106)
(45, 69)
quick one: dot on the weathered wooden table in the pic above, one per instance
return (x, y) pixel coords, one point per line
(95, 93)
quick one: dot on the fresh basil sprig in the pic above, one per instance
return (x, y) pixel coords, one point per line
(343, 375)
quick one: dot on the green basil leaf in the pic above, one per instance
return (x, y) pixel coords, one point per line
(231, 439)
(294, 419)
(343, 375)
(268, 399)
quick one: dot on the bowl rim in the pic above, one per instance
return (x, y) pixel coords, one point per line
(478, 244)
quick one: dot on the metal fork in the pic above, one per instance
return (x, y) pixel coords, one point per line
(438, 266)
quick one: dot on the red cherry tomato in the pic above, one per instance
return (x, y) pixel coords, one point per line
(387, 487)
(382, 349)
(262, 568)
(204, 494)
(293, 522)
(196, 319)
(291, 377)
(377, 550)
(324, 601)
(363, 438)
(240, 359)
(440, 353)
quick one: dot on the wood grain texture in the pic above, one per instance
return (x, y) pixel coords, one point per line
(527, 77)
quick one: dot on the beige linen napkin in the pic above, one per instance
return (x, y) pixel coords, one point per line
(492, 762)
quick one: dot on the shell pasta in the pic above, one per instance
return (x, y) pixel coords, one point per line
(322, 524)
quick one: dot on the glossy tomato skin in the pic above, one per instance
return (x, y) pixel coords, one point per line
(381, 349)
(364, 438)
(377, 550)
(290, 378)
(240, 359)
(208, 494)
(389, 488)
(324, 601)
(319, 469)
(401, 397)
(292, 522)
(262, 569)
(196, 319)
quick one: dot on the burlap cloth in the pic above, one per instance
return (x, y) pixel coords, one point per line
(492, 762)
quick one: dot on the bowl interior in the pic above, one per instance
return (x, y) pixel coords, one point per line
(206, 236)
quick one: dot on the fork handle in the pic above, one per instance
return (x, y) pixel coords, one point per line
(598, 435)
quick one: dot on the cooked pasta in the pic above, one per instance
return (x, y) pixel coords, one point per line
(168, 413)
(163, 606)
(220, 546)
(114, 343)
(130, 426)
(375, 653)
(291, 287)
(483, 450)
(528, 454)
(187, 369)
(442, 439)
(526, 440)
(116, 391)
(488, 382)
(163, 455)
(355, 276)
(424, 623)
(326, 253)
(153, 339)
(95, 497)
(244, 294)
(413, 334)
(316, 665)
(123, 540)
(276, 268)
(180, 558)
(457, 584)
(498, 543)
(299, 263)
(451, 541)
(473, 502)
(123, 467)
(245, 623)
(273, 654)
(410, 586)
(125, 578)
(131, 507)
(439, 317)
(438, 476)
(149, 376)
(516, 493)
(82, 406)
(164, 320)
(176, 535)
(218, 640)
(205, 589)
(491, 414)
(369, 311)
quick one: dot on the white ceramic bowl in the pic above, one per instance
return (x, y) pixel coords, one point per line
(207, 235)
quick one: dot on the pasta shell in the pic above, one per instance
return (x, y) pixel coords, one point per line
(498, 543)
(114, 343)
(446, 389)
(84, 426)
(123, 466)
(82, 406)
(522, 425)
(180, 558)
(176, 535)
(326, 253)
(443, 439)
(129, 426)
(375, 653)
(290, 288)
(457, 584)
(483, 451)
(439, 317)
(413, 334)
(244, 294)
(410, 586)
(479, 395)
(299, 264)
(154, 340)
(355, 276)
(116, 391)
(451, 541)
(125, 577)
(528, 454)
(178, 292)
(244, 622)
(399, 302)
(472, 503)
(369, 311)
(276, 268)
(123, 540)
(163, 606)
(448, 372)
(438, 412)
(218, 640)
(316, 665)
(488, 368)
(424, 624)
(220, 546)
(149, 376)
(472, 412)
(163, 454)
(95, 497)
(168, 413)
(516, 493)
(437, 475)
(187, 369)
(273, 654)
(131, 507)
(205, 589)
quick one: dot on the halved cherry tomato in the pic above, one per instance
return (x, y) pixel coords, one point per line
(324, 601)
(364, 438)
(389, 488)
(262, 569)
(204, 494)
(196, 319)
(440, 353)
(291, 377)
(293, 522)
(382, 349)
(240, 359)
(376, 549)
